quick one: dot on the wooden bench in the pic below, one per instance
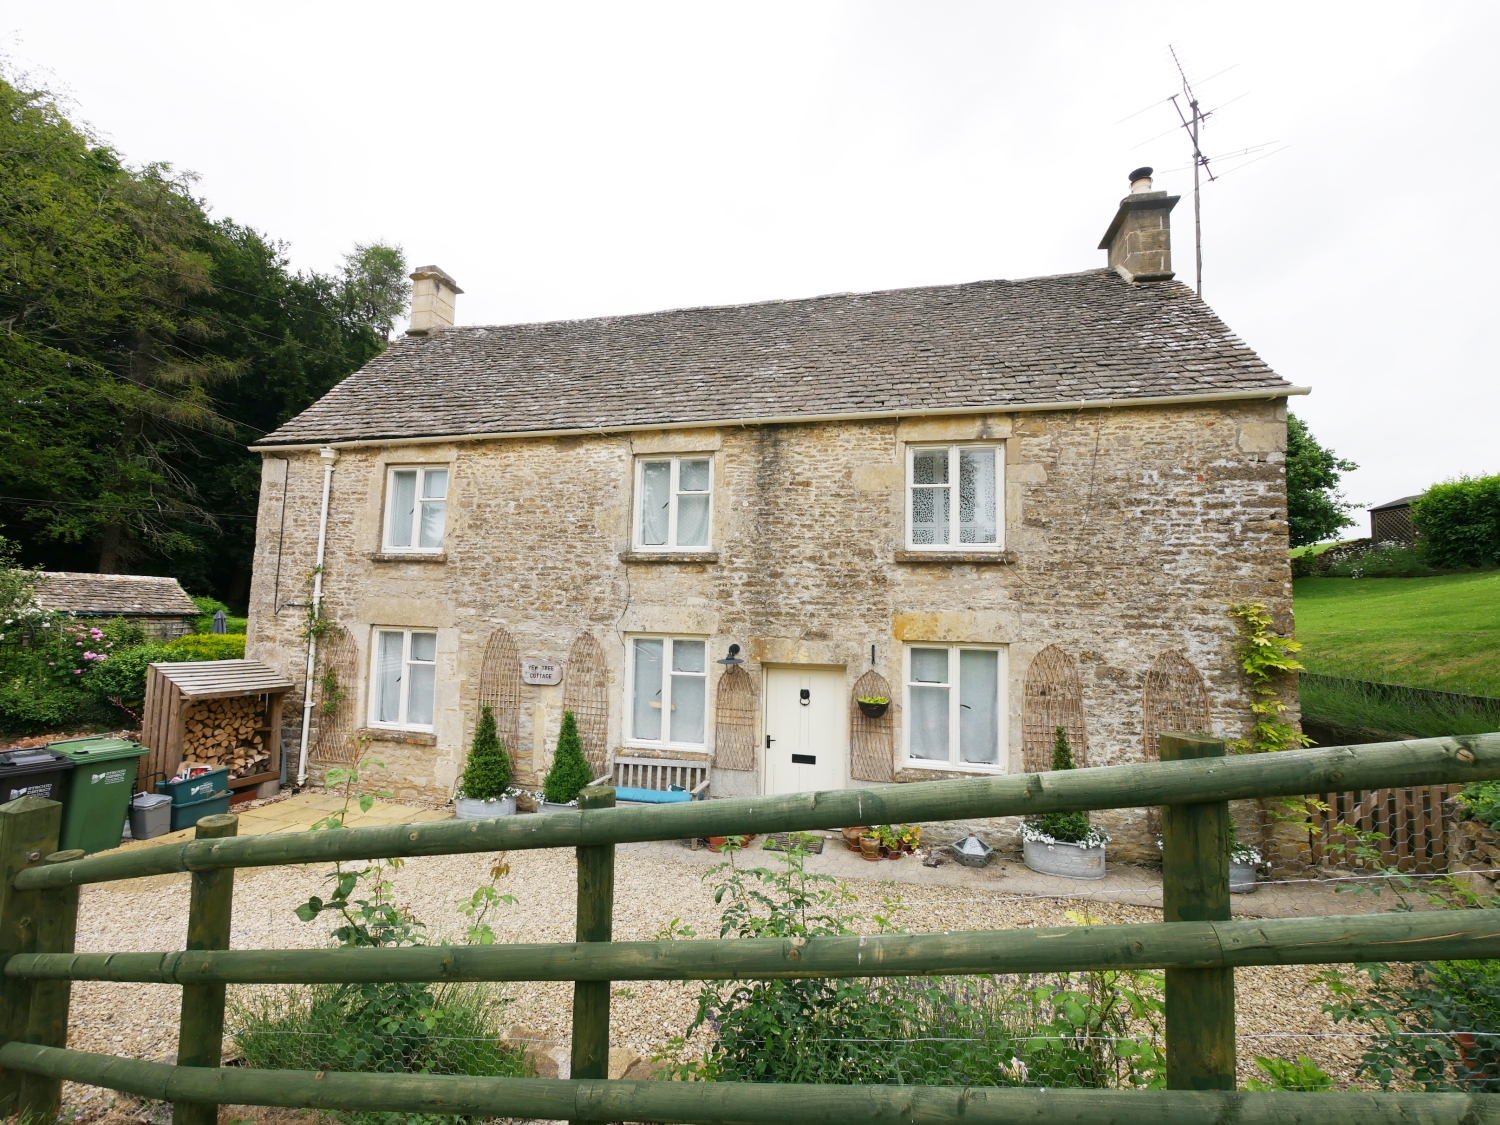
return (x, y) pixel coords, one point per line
(660, 775)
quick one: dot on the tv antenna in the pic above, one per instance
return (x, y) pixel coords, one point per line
(1192, 121)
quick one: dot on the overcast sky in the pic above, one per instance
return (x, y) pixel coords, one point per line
(576, 160)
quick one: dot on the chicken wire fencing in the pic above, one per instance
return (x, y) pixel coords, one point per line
(1084, 1030)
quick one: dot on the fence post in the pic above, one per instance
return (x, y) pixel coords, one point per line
(200, 1035)
(1195, 888)
(28, 831)
(596, 904)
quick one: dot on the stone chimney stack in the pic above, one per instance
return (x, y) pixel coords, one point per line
(1139, 240)
(433, 296)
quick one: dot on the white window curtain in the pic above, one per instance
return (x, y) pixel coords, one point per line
(669, 691)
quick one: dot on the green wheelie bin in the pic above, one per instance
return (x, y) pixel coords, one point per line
(99, 790)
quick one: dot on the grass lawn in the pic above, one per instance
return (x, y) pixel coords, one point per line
(1441, 632)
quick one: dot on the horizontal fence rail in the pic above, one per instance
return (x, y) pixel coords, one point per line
(740, 1103)
(1438, 935)
(1427, 761)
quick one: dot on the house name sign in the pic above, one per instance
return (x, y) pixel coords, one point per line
(541, 672)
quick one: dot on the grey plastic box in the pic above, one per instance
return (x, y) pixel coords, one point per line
(150, 815)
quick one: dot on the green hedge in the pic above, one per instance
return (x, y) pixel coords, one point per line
(1459, 522)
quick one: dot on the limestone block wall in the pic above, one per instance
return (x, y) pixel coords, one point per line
(1129, 531)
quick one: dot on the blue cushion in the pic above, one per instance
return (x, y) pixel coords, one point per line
(650, 796)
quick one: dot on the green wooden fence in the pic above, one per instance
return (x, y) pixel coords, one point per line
(1197, 945)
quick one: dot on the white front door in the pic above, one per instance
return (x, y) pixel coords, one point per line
(807, 725)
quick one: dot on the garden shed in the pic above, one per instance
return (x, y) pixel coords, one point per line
(217, 713)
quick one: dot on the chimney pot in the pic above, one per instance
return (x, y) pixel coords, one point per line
(433, 294)
(1139, 238)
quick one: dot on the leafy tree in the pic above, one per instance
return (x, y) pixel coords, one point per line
(1315, 509)
(487, 774)
(143, 346)
(1460, 522)
(570, 770)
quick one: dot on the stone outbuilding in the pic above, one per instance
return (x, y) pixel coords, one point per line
(999, 506)
(159, 605)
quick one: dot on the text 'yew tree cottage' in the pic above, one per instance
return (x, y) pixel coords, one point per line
(1003, 506)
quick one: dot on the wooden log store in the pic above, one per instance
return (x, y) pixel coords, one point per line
(216, 713)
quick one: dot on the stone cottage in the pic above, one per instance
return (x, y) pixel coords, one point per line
(1002, 506)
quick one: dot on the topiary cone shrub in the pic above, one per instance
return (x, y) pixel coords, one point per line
(487, 775)
(1072, 827)
(570, 770)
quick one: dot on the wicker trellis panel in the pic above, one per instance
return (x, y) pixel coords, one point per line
(335, 716)
(872, 742)
(734, 721)
(1053, 698)
(586, 694)
(500, 689)
(1175, 700)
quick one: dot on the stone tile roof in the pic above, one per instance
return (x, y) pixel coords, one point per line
(113, 595)
(1074, 337)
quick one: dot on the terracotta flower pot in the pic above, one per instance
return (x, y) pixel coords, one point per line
(716, 843)
(869, 847)
(851, 836)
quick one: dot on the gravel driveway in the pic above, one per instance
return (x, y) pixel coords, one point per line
(1278, 1008)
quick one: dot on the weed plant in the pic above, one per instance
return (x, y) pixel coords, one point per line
(1072, 1029)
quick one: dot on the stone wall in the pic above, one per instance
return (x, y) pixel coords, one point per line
(1128, 532)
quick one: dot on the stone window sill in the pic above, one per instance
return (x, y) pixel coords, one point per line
(669, 556)
(952, 558)
(402, 557)
(407, 737)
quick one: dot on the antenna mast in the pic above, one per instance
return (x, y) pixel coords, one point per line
(1192, 122)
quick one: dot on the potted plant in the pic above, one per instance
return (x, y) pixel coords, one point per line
(874, 705)
(869, 847)
(1063, 844)
(570, 770)
(851, 835)
(909, 836)
(486, 789)
(1243, 863)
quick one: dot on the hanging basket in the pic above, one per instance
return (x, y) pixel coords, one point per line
(874, 710)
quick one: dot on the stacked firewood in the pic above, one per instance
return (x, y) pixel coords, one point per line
(228, 732)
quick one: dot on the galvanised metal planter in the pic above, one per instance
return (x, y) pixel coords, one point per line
(472, 808)
(1068, 861)
(1242, 878)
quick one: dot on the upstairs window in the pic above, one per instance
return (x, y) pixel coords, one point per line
(953, 497)
(674, 503)
(404, 679)
(668, 691)
(416, 507)
(955, 714)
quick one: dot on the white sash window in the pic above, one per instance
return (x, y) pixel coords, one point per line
(955, 711)
(416, 508)
(403, 679)
(668, 679)
(955, 497)
(674, 503)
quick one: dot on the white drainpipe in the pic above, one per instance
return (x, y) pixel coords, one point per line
(329, 456)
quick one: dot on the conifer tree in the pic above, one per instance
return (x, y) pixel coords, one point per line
(1064, 827)
(487, 775)
(570, 770)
